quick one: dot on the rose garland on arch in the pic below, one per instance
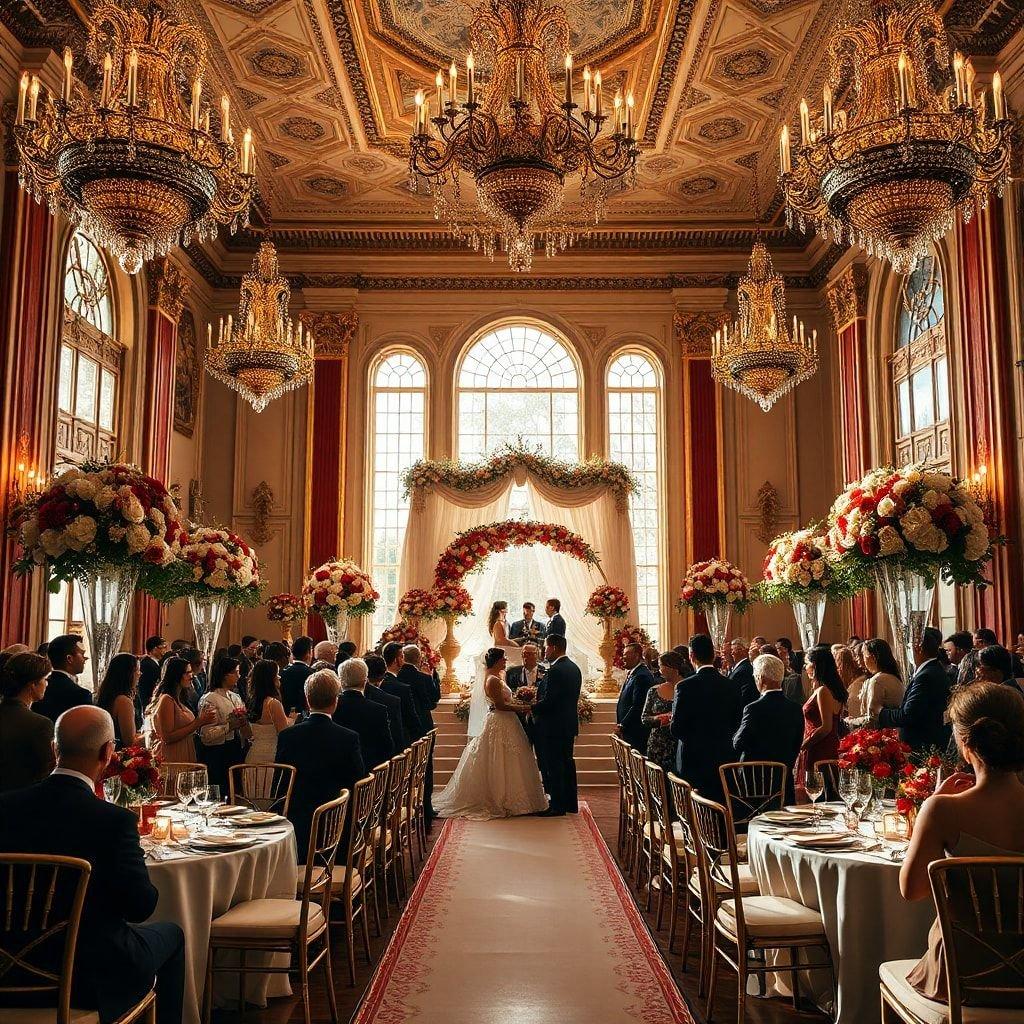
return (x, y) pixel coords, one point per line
(471, 548)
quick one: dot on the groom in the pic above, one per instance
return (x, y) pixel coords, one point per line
(556, 725)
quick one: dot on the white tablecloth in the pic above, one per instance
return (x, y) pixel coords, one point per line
(196, 889)
(866, 919)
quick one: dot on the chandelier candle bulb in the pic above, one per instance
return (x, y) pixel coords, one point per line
(969, 76)
(998, 100)
(225, 118)
(197, 92)
(826, 109)
(22, 97)
(439, 82)
(598, 111)
(568, 78)
(108, 70)
(133, 77)
(209, 336)
(519, 78)
(247, 151)
(629, 115)
(958, 78)
(470, 79)
(805, 123)
(33, 97)
(784, 156)
(230, 327)
(903, 71)
(453, 84)
(68, 64)
(586, 88)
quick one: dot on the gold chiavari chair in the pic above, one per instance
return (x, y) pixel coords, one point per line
(421, 815)
(663, 840)
(643, 862)
(745, 925)
(752, 788)
(403, 826)
(626, 810)
(373, 869)
(169, 772)
(414, 813)
(41, 899)
(264, 787)
(690, 891)
(298, 927)
(980, 905)
(393, 862)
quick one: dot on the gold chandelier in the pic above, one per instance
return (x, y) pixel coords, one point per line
(919, 147)
(758, 355)
(265, 353)
(134, 164)
(518, 140)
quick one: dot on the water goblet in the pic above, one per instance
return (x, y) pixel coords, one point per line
(814, 786)
(184, 785)
(201, 795)
(112, 789)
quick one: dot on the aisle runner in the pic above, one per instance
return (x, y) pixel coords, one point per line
(523, 920)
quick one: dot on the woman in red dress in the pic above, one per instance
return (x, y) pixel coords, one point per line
(822, 712)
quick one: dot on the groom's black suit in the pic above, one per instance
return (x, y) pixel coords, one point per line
(556, 725)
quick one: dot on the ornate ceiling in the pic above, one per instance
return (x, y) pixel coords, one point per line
(328, 86)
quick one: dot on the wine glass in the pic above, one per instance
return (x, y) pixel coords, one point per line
(213, 799)
(112, 789)
(814, 785)
(184, 786)
(201, 795)
(848, 793)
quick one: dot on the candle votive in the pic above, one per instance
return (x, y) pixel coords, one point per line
(179, 830)
(161, 828)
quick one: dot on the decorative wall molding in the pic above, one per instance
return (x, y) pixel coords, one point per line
(262, 502)
(168, 287)
(440, 335)
(332, 331)
(848, 296)
(694, 331)
(768, 505)
(187, 375)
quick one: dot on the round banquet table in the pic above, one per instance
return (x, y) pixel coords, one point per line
(866, 919)
(199, 887)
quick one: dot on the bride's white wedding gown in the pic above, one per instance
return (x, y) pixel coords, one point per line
(497, 775)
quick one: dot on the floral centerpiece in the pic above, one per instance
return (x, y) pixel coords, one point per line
(409, 633)
(111, 528)
(917, 784)
(714, 588)
(608, 602)
(417, 604)
(286, 609)
(451, 599)
(337, 591)
(626, 635)
(908, 527)
(879, 753)
(138, 768)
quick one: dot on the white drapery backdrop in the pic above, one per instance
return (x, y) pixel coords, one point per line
(594, 513)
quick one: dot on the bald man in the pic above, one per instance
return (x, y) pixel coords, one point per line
(117, 958)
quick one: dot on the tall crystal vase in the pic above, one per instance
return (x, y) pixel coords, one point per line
(337, 628)
(717, 615)
(106, 591)
(208, 614)
(908, 598)
(809, 612)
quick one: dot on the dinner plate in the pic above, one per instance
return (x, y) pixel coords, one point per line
(257, 819)
(831, 842)
(231, 809)
(220, 842)
(785, 817)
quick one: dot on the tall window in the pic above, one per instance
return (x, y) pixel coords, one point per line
(634, 392)
(518, 381)
(398, 411)
(87, 284)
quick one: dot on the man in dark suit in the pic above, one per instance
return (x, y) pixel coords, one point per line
(426, 691)
(363, 716)
(556, 726)
(414, 726)
(530, 673)
(555, 626)
(325, 756)
(377, 670)
(920, 717)
(149, 671)
(742, 671)
(293, 678)
(705, 715)
(527, 628)
(116, 959)
(772, 727)
(630, 705)
(67, 656)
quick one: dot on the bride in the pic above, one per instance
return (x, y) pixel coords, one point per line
(497, 775)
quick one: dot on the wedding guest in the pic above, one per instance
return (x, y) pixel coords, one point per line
(227, 725)
(174, 725)
(426, 692)
(792, 680)
(920, 716)
(293, 678)
(527, 628)
(325, 654)
(325, 756)
(684, 652)
(957, 646)
(26, 751)
(996, 665)
(555, 626)
(884, 687)
(705, 715)
(652, 660)
(794, 659)
(118, 695)
(149, 670)
(67, 656)
(394, 660)
(979, 816)
(629, 708)
(772, 727)
(853, 676)
(116, 957)
(530, 673)
(968, 669)
(376, 671)
(742, 672)
(266, 713)
(346, 650)
(279, 653)
(657, 711)
(363, 716)
(822, 711)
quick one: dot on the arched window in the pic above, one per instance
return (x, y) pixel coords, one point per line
(87, 284)
(518, 381)
(920, 372)
(634, 397)
(398, 429)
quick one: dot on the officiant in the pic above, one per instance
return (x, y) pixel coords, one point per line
(527, 629)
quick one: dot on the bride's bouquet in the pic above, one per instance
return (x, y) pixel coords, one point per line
(526, 694)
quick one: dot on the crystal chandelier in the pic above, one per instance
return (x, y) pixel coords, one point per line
(264, 353)
(758, 355)
(133, 163)
(518, 140)
(918, 147)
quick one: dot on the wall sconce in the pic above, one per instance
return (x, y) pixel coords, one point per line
(979, 489)
(27, 479)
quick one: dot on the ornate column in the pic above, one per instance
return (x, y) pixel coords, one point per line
(167, 288)
(703, 467)
(983, 368)
(326, 439)
(28, 332)
(847, 298)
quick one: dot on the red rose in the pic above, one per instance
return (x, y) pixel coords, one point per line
(869, 545)
(903, 805)
(130, 777)
(321, 575)
(881, 770)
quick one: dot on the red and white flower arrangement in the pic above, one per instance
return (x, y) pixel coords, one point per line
(917, 784)
(879, 753)
(406, 633)
(626, 635)
(608, 602)
(218, 563)
(451, 599)
(471, 548)
(339, 586)
(285, 608)
(714, 581)
(417, 604)
(104, 513)
(802, 563)
(919, 517)
(138, 768)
